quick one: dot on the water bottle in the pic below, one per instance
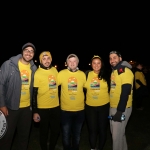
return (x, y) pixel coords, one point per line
(122, 117)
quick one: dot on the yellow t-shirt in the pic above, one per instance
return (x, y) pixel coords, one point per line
(72, 95)
(139, 76)
(25, 73)
(97, 90)
(45, 81)
(117, 81)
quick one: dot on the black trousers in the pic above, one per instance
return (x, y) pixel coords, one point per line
(141, 93)
(49, 127)
(97, 122)
(139, 100)
(19, 121)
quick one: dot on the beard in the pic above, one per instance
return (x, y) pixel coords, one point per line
(27, 60)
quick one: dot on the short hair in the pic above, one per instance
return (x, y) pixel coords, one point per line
(138, 63)
(115, 52)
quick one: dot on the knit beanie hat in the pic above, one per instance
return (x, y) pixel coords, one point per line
(45, 53)
(28, 45)
(72, 55)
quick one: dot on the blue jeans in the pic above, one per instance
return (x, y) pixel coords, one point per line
(71, 123)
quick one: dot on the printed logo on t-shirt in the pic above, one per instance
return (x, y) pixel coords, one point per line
(113, 84)
(25, 77)
(25, 81)
(52, 85)
(52, 82)
(72, 87)
(72, 84)
(95, 84)
(95, 87)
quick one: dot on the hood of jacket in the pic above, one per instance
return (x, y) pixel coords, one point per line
(122, 64)
(14, 60)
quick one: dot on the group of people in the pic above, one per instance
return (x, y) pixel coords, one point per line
(28, 92)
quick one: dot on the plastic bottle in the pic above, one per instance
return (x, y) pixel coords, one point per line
(122, 117)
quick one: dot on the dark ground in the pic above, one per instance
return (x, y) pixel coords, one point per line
(137, 132)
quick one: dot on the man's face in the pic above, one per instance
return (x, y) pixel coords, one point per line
(28, 54)
(140, 66)
(46, 61)
(72, 63)
(114, 59)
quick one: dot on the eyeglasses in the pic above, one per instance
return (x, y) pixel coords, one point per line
(115, 52)
(29, 51)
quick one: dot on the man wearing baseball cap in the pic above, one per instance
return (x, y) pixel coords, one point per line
(121, 96)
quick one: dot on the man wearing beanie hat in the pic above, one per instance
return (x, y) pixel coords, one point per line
(46, 109)
(71, 81)
(16, 87)
(72, 67)
(28, 45)
(42, 55)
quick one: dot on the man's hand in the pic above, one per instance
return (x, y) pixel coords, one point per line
(4, 111)
(117, 116)
(36, 117)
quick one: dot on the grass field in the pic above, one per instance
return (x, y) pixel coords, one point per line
(137, 132)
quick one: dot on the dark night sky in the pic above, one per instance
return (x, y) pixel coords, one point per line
(84, 34)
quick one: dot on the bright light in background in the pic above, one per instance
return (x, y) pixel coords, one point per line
(65, 64)
(35, 61)
(89, 64)
(132, 62)
(55, 66)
